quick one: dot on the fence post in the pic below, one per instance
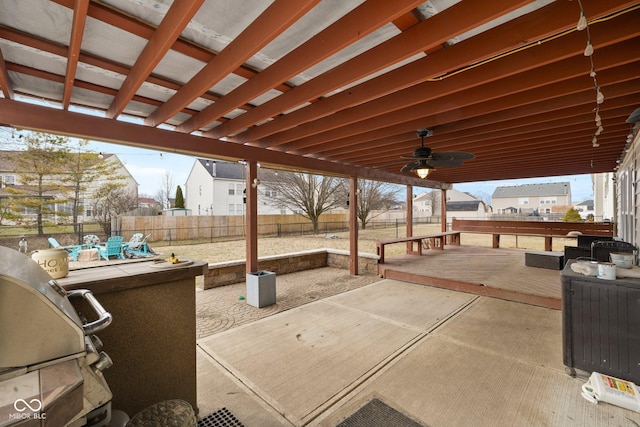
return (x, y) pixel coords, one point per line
(279, 228)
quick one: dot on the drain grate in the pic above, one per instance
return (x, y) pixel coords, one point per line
(378, 413)
(220, 418)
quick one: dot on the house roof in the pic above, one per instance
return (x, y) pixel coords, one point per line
(338, 87)
(222, 169)
(464, 206)
(533, 190)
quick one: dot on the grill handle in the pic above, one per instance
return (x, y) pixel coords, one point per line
(104, 317)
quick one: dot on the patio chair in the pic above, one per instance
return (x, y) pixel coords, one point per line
(138, 245)
(73, 250)
(112, 247)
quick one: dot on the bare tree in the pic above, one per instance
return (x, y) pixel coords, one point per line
(112, 199)
(165, 190)
(375, 196)
(82, 168)
(306, 194)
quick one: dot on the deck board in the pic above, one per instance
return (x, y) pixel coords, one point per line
(486, 271)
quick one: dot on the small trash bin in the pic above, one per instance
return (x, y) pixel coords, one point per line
(261, 288)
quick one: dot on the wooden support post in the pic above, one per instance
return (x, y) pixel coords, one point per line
(409, 217)
(251, 226)
(443, 210)
(353, 226)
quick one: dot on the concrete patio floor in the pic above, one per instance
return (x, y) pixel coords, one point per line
(440, 357)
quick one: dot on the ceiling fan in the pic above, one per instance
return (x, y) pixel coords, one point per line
(426, 160)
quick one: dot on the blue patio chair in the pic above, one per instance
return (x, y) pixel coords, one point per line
(112, 247)
(73, 250)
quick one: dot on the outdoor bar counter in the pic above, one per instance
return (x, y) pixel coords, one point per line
(152, 339)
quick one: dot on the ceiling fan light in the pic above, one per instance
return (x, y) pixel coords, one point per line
(423, 172)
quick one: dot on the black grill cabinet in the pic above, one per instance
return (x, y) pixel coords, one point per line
(601, 325)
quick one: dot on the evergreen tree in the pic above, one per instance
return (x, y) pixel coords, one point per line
(572, 215)
(179, 198)
(37, 166)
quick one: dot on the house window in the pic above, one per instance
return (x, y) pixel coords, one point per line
(239, 189)
(232, 209)
(232, 189)
(523, 201)
(549, 201)
(9, 180)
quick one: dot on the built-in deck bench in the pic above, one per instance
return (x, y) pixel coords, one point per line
(544, 229)
(435, 241)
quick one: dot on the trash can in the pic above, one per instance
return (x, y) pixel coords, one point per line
(261, 288)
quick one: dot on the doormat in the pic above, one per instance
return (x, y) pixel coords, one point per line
(377, 413)
(221, 418)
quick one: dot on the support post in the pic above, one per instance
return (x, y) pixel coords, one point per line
(443, 210)
(251, 226)
(409, 218)
(353, 225)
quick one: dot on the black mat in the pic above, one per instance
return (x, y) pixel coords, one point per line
(377, 413)
(221, 418)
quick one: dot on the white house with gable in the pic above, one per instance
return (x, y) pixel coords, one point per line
(216, 187)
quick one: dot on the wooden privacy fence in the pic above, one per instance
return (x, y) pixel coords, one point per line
(183, 228)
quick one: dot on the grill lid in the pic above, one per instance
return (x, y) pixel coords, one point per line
(37, 321)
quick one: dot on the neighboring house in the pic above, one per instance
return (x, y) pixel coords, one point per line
(9, 177)
(585, 209)
(530, 199)
(423, 204)
(428, 204)
(467, 209)
(216, 187)
(149, 203)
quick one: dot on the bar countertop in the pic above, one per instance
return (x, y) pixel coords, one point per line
(121, 276)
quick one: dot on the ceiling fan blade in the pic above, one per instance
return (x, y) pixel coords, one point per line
(415, 157)
(391, 163)
(451, 155)
(410, 167)
(445, 163)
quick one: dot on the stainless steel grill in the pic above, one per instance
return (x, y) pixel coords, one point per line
(51, 361)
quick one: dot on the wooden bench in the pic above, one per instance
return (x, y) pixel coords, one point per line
(436, 241)
(544, 229)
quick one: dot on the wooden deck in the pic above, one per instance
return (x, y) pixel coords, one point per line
(499, 273)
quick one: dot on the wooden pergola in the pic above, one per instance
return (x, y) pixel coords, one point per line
(332, 87)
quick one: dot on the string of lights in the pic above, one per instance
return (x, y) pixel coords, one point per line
(582, 25)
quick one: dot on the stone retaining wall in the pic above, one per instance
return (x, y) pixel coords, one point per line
(226, 273)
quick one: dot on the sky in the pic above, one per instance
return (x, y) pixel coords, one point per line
(148, 168)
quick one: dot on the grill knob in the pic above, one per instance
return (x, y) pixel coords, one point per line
(104, 363)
